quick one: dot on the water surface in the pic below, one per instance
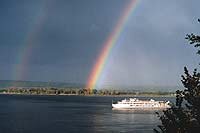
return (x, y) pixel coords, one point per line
(67, 114)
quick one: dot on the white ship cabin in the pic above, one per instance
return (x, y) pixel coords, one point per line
(143, 103)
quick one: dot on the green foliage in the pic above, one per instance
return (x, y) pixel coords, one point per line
(77, 91)
(194, 40)
(184, 116)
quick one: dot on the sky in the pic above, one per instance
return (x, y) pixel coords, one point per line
(60, 40)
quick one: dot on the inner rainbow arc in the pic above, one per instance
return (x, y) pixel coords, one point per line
(108, 46)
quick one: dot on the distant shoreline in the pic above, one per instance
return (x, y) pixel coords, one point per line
(83, 92)
(92, 95)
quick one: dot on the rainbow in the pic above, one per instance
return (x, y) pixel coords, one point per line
(108, 46)
(26, 50)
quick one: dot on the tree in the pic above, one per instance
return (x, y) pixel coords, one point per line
(184, 116)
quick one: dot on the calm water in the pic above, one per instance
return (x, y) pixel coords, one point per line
(68, 114)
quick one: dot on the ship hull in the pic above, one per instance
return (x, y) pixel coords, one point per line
(134, 103)
(127, 106)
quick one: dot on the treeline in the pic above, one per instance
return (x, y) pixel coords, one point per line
(77, 91)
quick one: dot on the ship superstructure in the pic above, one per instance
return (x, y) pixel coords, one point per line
(134, 103)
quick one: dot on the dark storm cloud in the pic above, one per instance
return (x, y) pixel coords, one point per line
(154, 50)
(72, 33)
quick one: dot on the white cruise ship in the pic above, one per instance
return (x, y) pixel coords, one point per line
(134, 103)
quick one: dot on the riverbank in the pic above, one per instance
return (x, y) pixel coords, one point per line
(84, 92)
(92, 95)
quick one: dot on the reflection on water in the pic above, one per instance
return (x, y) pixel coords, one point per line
(126, 121)
(149, 110)
(62, 114)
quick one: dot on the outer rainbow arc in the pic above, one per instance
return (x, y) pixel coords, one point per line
(108, 45)
(26, 51)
